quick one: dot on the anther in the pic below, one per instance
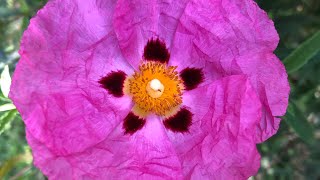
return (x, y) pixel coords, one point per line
(156, 88)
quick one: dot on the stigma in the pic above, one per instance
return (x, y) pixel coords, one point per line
(155, 88)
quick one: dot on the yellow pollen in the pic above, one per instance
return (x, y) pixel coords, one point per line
(155, 88)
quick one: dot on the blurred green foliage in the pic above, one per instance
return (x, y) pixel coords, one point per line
(15, 155)
(293, 153)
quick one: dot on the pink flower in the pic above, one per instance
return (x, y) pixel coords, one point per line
(149, 89)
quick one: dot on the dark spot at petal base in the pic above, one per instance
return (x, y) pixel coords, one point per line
(156, 50)
(113, 82)
(191, 77)
(180, 122)
(132, 123)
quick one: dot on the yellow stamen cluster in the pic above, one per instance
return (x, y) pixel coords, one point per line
(156, 88)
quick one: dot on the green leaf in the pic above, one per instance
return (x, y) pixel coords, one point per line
(4, 99)
(303, 53)
(299, 123)
(6, 118)
(7, 107)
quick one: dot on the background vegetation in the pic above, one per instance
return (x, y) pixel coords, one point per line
(293, 153)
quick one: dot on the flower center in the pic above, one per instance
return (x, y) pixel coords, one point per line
(156, 88)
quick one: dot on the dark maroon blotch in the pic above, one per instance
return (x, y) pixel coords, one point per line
(180, 122)
(113, 82)
(156, 50)
(132, 123)
(191, 77)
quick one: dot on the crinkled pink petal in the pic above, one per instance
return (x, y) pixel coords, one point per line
(55, 85)
(136, 21)
(269, 78)
(226, 37)
(221, 143)
(75, 127)
(148, 154)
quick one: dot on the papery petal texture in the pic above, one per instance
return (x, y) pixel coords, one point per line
(221, 143)
(74, 126)
(148, 154)
(55, 85)
(136, 21)
(230, 38)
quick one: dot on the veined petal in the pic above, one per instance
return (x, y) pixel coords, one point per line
(55, 85)
(147, 154)
(77, 130)
(221, 143)
(228, 37)
(212, 30)
(137, 21)
(269, 79)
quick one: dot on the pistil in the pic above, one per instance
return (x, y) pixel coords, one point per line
(155, 88)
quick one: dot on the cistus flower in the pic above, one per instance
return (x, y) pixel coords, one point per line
(149, 89)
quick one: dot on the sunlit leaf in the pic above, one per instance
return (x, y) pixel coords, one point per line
(7, 107)
(5, 81)
(6, 118)
(4, 100)
(303, 53)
